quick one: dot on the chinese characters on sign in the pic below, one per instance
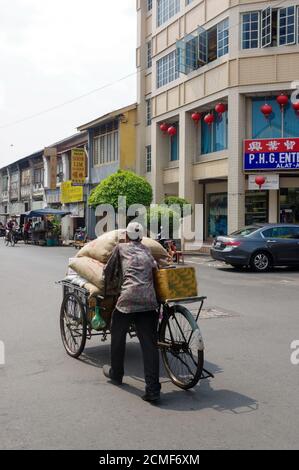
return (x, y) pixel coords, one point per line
(70, 194)
(78, 166)
(271, 154)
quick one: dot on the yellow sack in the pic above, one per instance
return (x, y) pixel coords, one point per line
(175, 283)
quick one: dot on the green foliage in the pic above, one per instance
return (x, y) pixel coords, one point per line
(162, 213)
(174, 200)
(136, 189)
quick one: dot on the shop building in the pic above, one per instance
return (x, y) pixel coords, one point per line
(111, 146)
(193, 55)
(76, 201)
(22, 186)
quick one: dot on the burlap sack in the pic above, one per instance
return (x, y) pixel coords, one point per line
(94, 291)
(102, 248)
(91, 270)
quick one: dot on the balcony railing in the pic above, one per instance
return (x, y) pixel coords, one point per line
(25, 191)
(38, 187)
(4, 196)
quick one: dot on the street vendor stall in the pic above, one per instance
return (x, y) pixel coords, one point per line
(45, 228)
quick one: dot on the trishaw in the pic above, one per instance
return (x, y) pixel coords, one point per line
(179, 336)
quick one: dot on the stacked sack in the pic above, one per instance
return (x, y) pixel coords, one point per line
(90, 262)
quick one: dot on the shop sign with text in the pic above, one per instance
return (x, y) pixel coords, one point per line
(271, 154)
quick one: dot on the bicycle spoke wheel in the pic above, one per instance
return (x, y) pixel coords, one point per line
(182, 348)
(73, 325)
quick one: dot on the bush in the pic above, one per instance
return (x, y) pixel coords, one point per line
(175, 200)
(136, 189)
(161, 212)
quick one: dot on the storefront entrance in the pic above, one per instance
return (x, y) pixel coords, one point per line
(256, 203)
(289, 205)
(217, 215)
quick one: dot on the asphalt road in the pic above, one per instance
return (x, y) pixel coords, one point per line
(50, 401)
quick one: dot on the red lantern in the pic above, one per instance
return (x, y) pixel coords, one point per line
(220, 108)
(267, 110)
(209, 119)
(282, 100)
(296, 107)
(196, 117)
(260, 181)
(164, 127)
(172, 131)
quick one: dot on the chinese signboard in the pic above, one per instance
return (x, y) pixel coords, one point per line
(70, 194)
(78, 166)
(51, 152)
(271, 154)
(271, 182)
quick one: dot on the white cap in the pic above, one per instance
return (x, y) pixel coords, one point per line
(135, 231)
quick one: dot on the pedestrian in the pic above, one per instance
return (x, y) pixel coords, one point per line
(27, 228)
(130, 268)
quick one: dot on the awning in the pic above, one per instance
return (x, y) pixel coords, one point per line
(45, 212)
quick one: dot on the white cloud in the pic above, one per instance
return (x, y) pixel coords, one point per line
(54, 50)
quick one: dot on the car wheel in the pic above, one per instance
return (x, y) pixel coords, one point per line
(261, 262)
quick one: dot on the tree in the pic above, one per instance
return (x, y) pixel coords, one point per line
(136, 189)
(164, 217)
(175, 200)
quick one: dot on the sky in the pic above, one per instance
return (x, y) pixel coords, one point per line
(53, 51)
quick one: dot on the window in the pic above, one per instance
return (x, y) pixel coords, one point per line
(148, 162)
(148, 112)
(287, 27)
(214, 138)
(267, 27)
(278, 27)
(166, 10)
(5, 183)
(188, 2)
(261, 128)
(197, 49)
(149, 5)
(106, 149)
(25, 177)
(59, 171)
(281, 232)
(149, 54)
(250, 30)
(222, 38)
(174, 145)
(38, 176)
(166, 69)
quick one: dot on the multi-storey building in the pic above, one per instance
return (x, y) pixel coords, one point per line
(111, 146)
(195, 54)
(22, 186)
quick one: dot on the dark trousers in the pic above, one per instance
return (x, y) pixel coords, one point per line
(146, 327)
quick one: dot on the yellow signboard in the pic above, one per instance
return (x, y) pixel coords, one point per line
(70, 193)
(78, 166)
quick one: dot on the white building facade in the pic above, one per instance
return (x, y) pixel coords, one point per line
(195, 54)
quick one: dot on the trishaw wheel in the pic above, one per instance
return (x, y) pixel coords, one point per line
(181, 348)
(73, 325)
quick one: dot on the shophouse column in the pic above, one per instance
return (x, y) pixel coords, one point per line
(160, 159)
(236, 178)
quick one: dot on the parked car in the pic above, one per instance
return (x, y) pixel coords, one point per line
(259, 246)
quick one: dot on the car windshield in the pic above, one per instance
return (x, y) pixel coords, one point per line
(244, 232)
